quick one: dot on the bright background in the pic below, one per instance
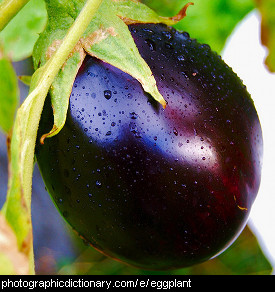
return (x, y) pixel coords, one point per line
(245, 54)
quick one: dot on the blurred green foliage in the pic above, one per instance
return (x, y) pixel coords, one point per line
(209, 22)
(9, 93)
(267, 10)
(20, 35)
(243, 257)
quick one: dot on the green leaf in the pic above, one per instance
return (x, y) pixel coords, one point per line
(9, 94)
(62, 87)
(108, 38)
(165, 7)
(267, 10)
(135, 12)
(20, 35)
(130, 10)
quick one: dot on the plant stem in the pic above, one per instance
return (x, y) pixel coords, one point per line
(41, 87)
(25, 131)
(8, 9)
(46, 78)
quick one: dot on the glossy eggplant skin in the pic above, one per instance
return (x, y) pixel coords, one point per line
(156, 188)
